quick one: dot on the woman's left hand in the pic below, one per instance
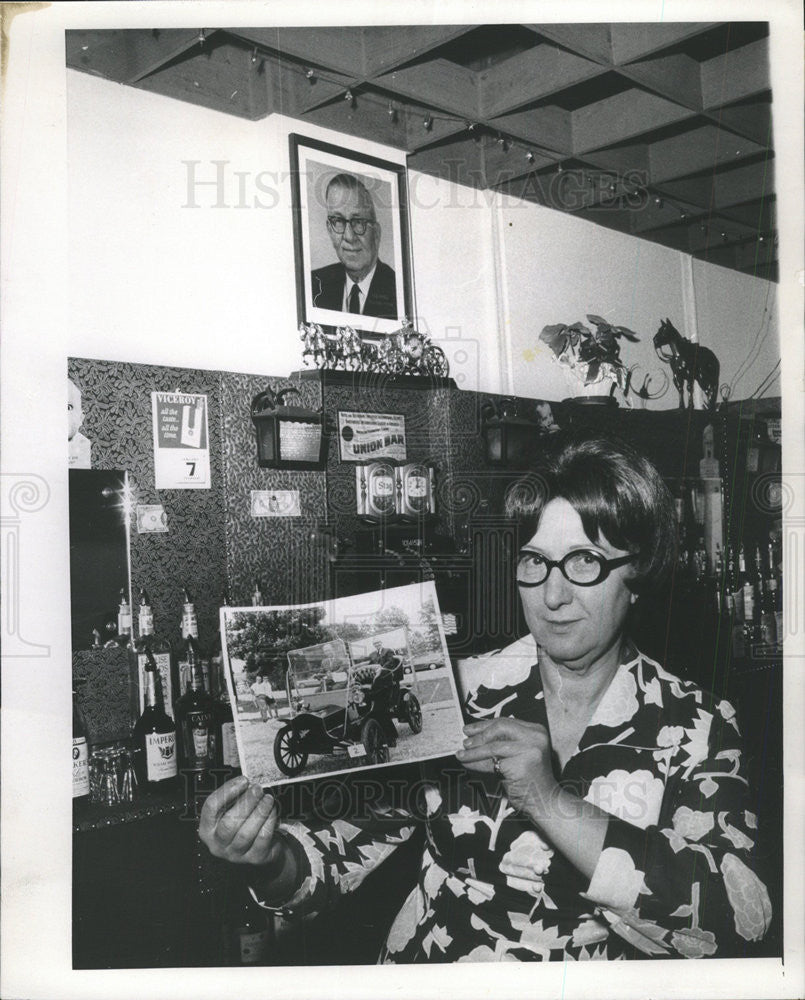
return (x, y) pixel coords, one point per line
(523, 754)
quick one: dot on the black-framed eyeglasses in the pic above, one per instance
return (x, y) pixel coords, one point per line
(338, 224)
(583, 567)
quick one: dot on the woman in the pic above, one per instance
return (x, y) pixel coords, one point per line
(600, 810)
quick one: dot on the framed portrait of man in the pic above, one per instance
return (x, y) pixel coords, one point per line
(351, 238)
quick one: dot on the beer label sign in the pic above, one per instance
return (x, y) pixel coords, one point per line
(363, 437)
(181, 441)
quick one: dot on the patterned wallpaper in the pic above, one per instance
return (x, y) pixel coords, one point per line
(213, 541)
(277, 551)
(117, 419)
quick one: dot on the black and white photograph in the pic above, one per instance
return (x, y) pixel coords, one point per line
(351, 697)
(352, 240)
(505, 677)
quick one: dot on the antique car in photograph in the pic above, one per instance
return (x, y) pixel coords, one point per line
(340, 710)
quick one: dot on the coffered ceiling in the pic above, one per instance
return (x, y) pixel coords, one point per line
(660, 130)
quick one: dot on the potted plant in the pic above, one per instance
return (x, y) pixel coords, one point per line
(591, 355)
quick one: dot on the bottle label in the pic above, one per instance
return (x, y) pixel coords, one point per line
(124, 622)
(80, 767)
(160, 756)
(146, 620)
(163, 662)
(749, 601)
(189, 622)
(229, 745)
(253, 945)
(199, 739)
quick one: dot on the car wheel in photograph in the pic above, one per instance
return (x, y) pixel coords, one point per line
(413, 713)
(374, 742)
(290, 760)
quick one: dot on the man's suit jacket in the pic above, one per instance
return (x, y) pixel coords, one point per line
(327, 288)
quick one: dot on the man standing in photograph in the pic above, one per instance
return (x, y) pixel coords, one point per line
(263, 694)
(360, 282)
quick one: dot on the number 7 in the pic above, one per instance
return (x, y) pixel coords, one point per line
(192, 468)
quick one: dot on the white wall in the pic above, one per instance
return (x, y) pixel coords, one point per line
(556, 268)
(737, 316)
(169, 268)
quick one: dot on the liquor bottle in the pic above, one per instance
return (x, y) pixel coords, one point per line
(80, 755)
(196, 728)
(717, 582)
(189, 650)
(148, 647)
(227, 743)
(257, 595)
(737, 639)
(747, 581)
(771, 587)
(123, 620)
(718, 564)
(248, 931)
(154, 734)
(700, 567)
(738, 577)
(775, 578)
(768, 622)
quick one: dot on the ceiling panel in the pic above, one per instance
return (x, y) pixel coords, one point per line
(661, 130)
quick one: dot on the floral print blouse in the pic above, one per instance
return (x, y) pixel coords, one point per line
(675, 875)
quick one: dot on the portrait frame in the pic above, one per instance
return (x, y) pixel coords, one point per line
(313, 164)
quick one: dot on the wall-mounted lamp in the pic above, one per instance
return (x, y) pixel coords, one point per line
(288, 437)
(509, 438)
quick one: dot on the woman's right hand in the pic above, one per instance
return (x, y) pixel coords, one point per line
(238, 822)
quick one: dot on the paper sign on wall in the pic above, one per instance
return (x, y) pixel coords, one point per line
(181, 441)
(364, 436)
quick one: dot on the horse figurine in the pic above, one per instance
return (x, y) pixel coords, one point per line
(315, 344)
(689, 363)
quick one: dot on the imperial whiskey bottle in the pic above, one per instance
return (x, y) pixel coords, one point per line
(154, 735)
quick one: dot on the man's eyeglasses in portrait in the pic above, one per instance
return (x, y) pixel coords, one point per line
(338, 224)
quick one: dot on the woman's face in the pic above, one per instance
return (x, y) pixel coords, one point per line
(574, 625)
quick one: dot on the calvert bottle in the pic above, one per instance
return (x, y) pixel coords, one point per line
(149, 647)
(80, 755)
(155, 735)
(196, 729)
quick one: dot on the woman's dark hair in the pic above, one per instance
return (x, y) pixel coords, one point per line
(617, 493)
